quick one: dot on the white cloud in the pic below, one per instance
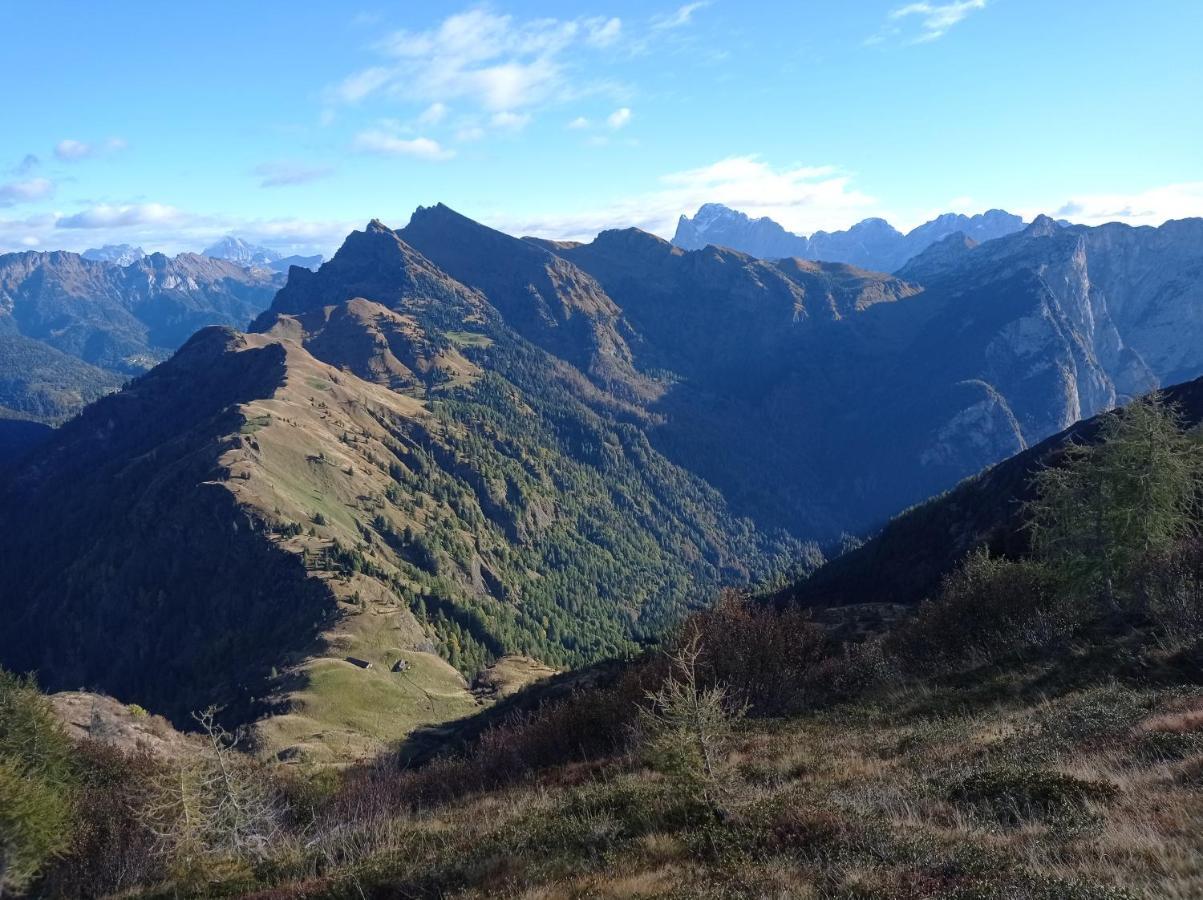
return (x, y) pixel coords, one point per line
(1149, 207)
(580, 123)
(510, 121)
(282, 173)
(619, 118)
(355, 87)
(683, 15)
(25, 191)
(433, 114)
(603, 32)
(935, 18)
(70, 150)
(386, 144)
(487, 61)
(468, 133)
(803, 199)
(106, 215)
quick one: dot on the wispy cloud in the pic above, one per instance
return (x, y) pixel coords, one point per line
(620, 118)
(283, 173)
(680, 17)
(933, 20)
(70, 150)
(433, 114)
(493, 61)
(497, 70)
(384, 143)
(15, 192)
(106, 215)
(602, 32)
(1152, 206)
(510, 121)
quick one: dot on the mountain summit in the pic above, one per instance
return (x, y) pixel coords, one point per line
(236, 250)
(120, 254)
(870, 244)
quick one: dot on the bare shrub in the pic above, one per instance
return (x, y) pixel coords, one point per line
(765, 657)
(220, 806)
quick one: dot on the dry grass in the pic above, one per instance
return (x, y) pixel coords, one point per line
(861, 801)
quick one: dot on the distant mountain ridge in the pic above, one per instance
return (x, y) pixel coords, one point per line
(105, 321)
(450, 445)
(121, 254)
(236, 250)
(871, 244)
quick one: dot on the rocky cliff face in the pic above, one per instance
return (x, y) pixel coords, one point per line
(871, 244)
(975, 351)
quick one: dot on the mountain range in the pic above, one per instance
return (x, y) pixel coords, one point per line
(75, 327)
(871, 244)
(121, 254)
(236, 250)
(449, 446)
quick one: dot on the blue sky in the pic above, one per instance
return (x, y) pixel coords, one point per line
(171, 124)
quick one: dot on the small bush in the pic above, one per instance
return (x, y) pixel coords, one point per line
(1013, 796)
(1170, 590)
(767, 658)
(987, 609)
(687, 727)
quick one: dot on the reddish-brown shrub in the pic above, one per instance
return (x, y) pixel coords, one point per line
(767, 657)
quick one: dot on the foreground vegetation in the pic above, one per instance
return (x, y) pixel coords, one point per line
(1034, 730)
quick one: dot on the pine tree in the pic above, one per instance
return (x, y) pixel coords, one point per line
(690, 725)
(1110, 506)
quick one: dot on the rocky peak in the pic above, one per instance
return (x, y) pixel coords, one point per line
(943, 256)
(238, 251)
(1042, 226)
(119, 254)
